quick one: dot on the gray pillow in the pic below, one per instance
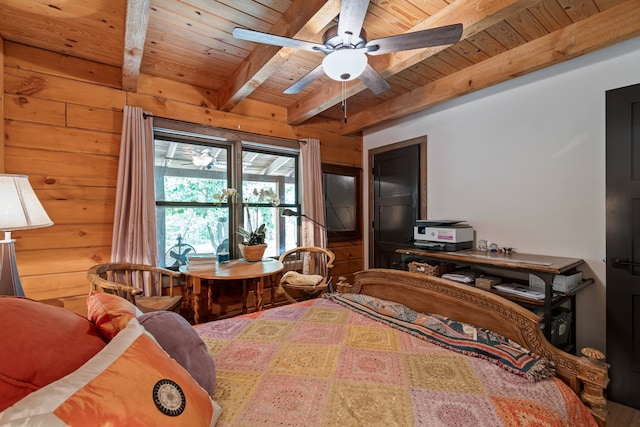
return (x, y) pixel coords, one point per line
(178, 338)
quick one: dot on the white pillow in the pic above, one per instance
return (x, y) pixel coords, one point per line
(295, 278)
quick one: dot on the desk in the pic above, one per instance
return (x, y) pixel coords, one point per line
(236, 269)
(543, 266)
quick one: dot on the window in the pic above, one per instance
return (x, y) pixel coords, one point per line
(193, 164)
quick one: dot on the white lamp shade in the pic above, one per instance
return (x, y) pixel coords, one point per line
(345, 64)
(20, 208)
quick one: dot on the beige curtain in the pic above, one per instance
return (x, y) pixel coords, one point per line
(312, 194)
(134, 225)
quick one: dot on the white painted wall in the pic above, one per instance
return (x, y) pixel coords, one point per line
(524, 163)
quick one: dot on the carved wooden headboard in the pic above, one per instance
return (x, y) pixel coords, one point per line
(587, 376)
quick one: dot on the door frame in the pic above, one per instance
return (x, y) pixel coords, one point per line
(422, 191)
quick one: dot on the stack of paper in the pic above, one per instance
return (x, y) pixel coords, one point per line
(201, 261)
(520, 290)
(462, 276)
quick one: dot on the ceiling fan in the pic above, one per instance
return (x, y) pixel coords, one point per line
(346, 47)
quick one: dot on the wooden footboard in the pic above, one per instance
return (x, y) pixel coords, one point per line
(587, 375)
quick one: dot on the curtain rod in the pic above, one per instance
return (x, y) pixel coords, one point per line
(145, 115)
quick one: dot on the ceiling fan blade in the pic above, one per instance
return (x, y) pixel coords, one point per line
(304, 81)
(352, 13)
(448, 34)
(266, 38)
(374, 80)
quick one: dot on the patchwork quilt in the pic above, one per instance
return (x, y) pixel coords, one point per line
(320, 363)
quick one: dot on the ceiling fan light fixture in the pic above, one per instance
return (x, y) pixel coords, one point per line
(202, 159)
(345, 64)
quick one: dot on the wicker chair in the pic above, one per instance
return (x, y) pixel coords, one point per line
(140, 284)
(306, 272)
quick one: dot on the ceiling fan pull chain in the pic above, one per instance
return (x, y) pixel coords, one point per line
(344, 101)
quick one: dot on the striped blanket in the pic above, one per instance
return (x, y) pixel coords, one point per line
(457, 336)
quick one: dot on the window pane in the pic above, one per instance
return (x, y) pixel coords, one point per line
(183, 189)
(290, 193)
(268, 181)
(185, 174)
(290, 233)
(187, 230)
(190, 172)
(255, 216)
(184, 154)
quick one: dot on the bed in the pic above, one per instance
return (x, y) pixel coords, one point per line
(365, 355)
(348, 359)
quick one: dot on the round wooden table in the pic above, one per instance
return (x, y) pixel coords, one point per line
(235, 269)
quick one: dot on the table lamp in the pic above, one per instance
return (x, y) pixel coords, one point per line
(20, 209)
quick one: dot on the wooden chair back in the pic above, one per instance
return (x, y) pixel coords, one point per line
(306, 260)
(143, 285)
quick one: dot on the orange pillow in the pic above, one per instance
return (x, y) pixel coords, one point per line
(132, 382)
(40, 344)
(110, 313)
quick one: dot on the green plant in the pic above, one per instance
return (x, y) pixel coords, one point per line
(255, 237)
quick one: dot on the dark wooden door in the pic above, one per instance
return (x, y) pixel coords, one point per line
(623, 243)
(396, 203)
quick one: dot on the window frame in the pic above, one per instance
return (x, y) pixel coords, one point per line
(237, 143)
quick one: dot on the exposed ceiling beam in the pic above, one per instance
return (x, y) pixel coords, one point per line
(614, 25)
(303, 20)
(475, 17)
(134, 37)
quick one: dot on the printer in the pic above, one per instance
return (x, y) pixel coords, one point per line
(442, 235)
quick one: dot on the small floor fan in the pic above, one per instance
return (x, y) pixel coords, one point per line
(176, 256)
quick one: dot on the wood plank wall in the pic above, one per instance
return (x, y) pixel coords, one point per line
(62, 125)
(1, 105)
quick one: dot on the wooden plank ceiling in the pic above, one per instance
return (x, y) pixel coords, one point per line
(190, 41)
